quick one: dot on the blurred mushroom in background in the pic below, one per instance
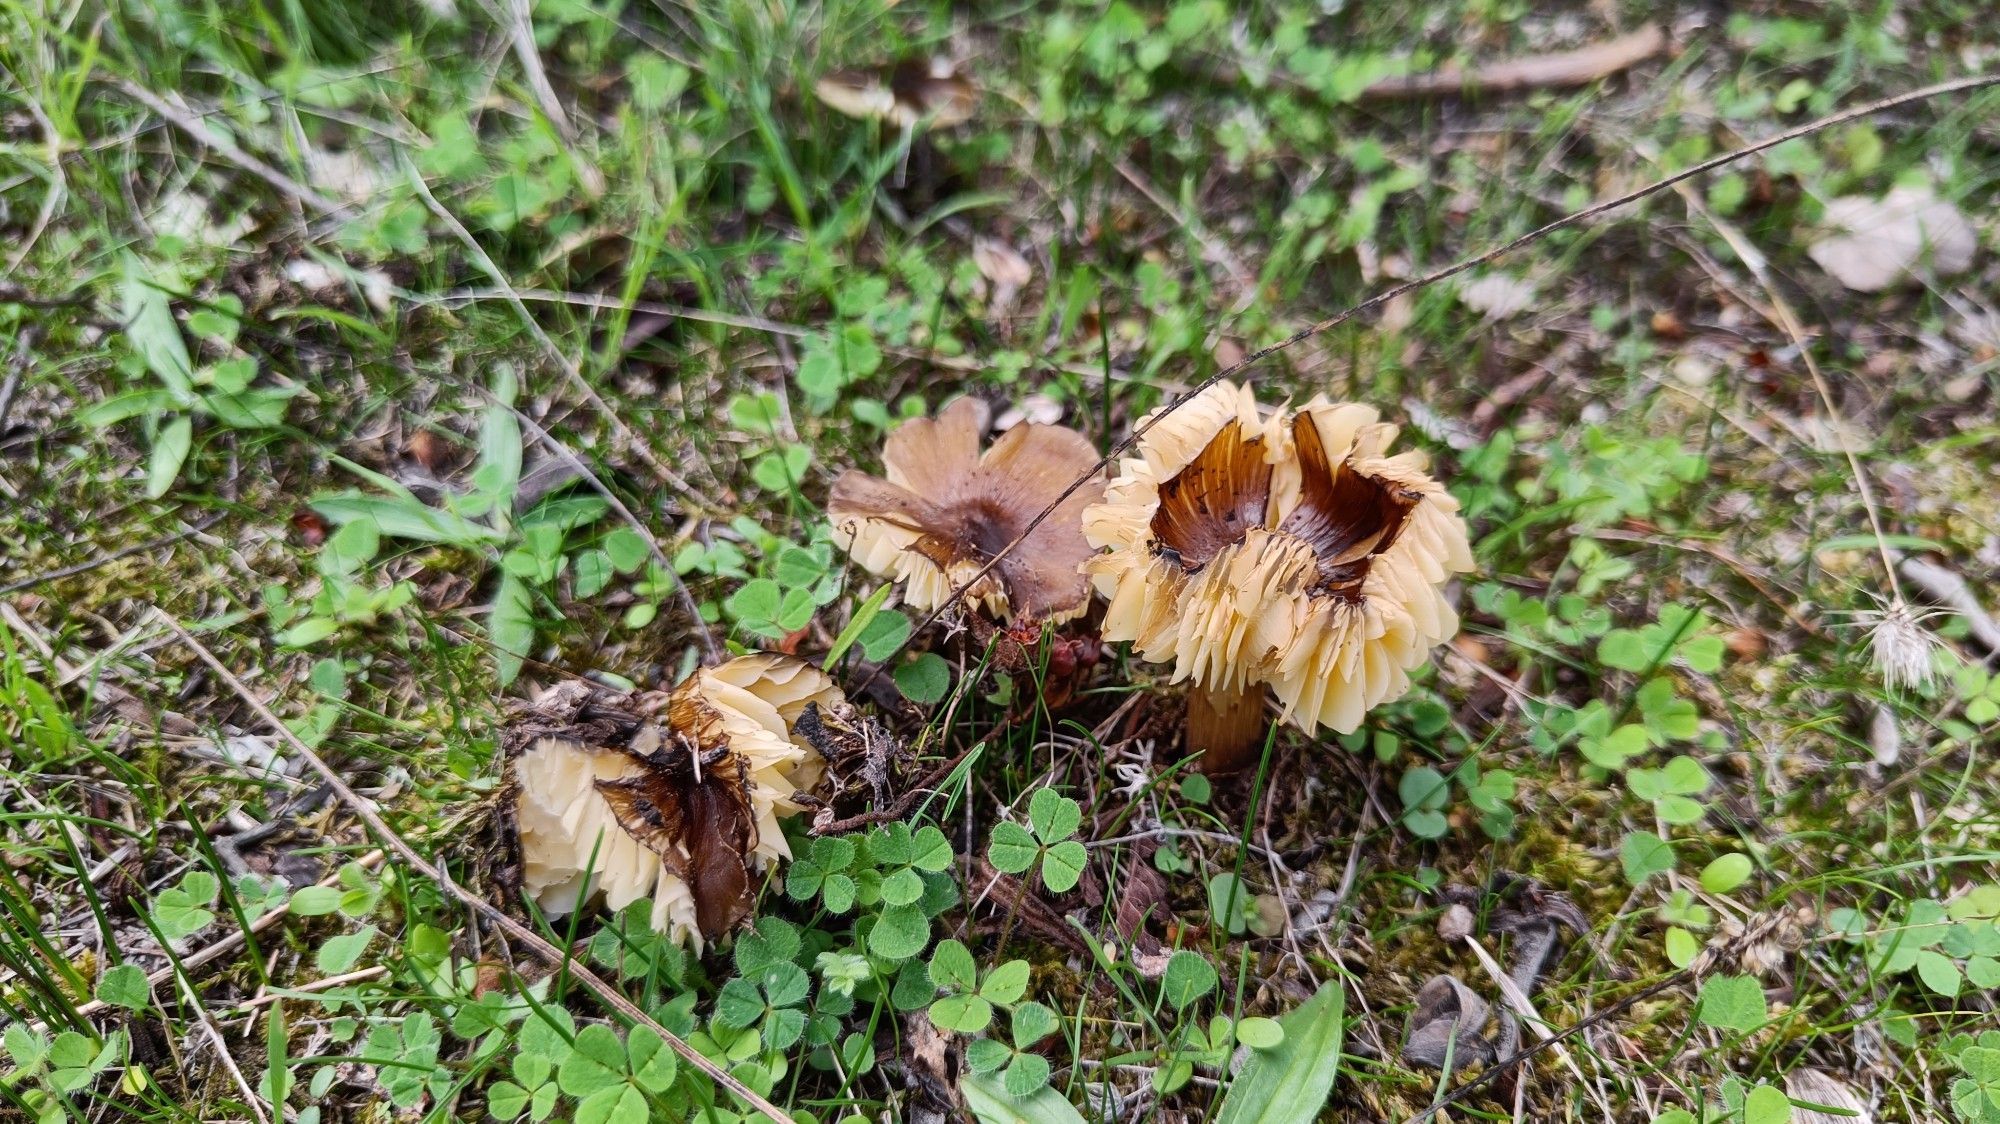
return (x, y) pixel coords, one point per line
(926, 92)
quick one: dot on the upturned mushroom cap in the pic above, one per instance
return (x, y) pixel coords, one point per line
(1286, 549)
(680, 812)
(942, 510)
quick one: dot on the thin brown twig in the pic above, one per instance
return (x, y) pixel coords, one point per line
(231, 941)
(228, 149)
(1503, 1065)
(1882, 105)
(645, 533)
(1535, 72)
(1788, 322)
(563, 362)
(904, 803)
(554, 956)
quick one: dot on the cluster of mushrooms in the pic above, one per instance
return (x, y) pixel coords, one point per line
(1264, 556)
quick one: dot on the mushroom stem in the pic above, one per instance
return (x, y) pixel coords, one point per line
(1226, 727)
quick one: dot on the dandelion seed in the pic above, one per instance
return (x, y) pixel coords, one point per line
(1899, 644)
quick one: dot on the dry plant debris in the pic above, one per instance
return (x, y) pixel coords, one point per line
(673, 796)
(1871, 244)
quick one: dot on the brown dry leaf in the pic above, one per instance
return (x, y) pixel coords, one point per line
(1037, 408)
(1447, 1024)
(1556, 70)
(1818, 1087)
(1870, 245)
(1004, 267)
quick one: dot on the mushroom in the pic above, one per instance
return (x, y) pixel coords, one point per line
(910, 93)
(945, 510)
(673, 796)
(1286, 552)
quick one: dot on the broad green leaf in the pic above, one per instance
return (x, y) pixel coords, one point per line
(739, 1004)
(405, 517)
(1726, 872)
(1260, 1033)
(125, 986)
(1289, 1083)
(1767, 1104)
(984, 1055)
(925, 679)
(506, 1100)
(152, 331)
(1028, 1073)
(121, 407)
(952, 966)
(1732, 1003)
(903, 887)
(1424, 789)
(932, 850)
(25, 1046)
(900, 932)
(964, 1014)
(170, 450)
(511, 627)
(622, 1103)
(1939, 972)
(314, 901)
(653, 1064)
(338, 954)
(1189, 977)
(1644, 855)
(1681, 947)
(857, 624)
(596, 1062)
(261, 407)
(1054, 816)
(500, 440)
(1011, 849)
(988, 1101)
(785, 984)
(1005, 984)
(1032, 1023)
(1062, 866)
(884, 635)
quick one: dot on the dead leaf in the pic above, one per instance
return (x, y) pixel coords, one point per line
(1497, 296)
(1818, 1087)
(1037, 408)
(427, 448)
(1870, 245)
(1004, 267)
(1447, 1026)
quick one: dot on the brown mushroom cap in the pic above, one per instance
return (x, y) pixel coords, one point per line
(944, 510)
(1287, 550)
(680, 812)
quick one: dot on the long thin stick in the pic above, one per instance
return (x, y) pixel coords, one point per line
(554, 956)
(228, 149)
(1955, 86)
